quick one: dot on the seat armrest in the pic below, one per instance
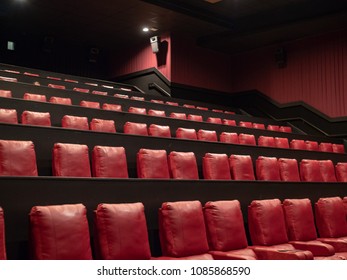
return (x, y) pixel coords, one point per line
(339, 244)
(219, 255)
(317, 248)
(264, 253)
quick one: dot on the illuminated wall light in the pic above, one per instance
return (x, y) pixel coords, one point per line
(10, 45)
(145, 29)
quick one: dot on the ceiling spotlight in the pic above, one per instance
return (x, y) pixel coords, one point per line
(145, 29)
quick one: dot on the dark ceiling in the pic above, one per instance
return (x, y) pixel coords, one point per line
(229, 26)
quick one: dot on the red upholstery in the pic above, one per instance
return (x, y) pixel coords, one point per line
(8, 79)
(217, 110)
(31, 74)
(135, 128)
(267, 169)
(202, 108)
(267, 228)
(56, 86)
(196, 118)
(183, 165)
(246, 124)
(60, 232)
(241, 167)
(121, 232)
(289, 170)
(310, 171)
(214, 120)
(287, 129)
(75, 122)
(157, 101)
(266, 141)
(152, 164)
(181, 116)
(36, 118)
(102, 125)
(99, 92)
(2, 236)
(136, 110)
(311, 145)
(339, 148)
(124, 96)
(90, 104)
(109, 162)
(229, 112)
(258, 125)
(345, 204)
(112, 107)
(189, 106)
(54, 78)
(84, 90)
(225, 229)
(327, 170)
(247, 139)
(281, 143)
(326, 147)
(60, 100)
(182, 230)
(216, 167)
(171, 103)
(137, 98)
(156, 113)
(71, 81)
(229, 122)
(273, 127)
(229, 137)
(8, 116)
(159, 130)
(302, 231)
(207, 135)
(70, 160)
(17, 158)
(34, 97)
(186, 133)
(341, 171)
(5, 93)
(298, 144)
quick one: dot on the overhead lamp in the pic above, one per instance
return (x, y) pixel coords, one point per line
(145, 29)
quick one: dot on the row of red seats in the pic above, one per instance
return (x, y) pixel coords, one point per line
(189, 231)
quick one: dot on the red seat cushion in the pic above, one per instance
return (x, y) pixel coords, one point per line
(152, 164)
(75, 122)
(186, 133)
(90, 104)
(183, 165)
(159, 130)
(102, 125)
(8, 116)
(196, 118)
(112, 107)
(241, 167)
(156, 113)
(267, 169)
(266, 141)
(135, 128)
(247, 139)
(310, 171)
(289, 170)
(136, 110)
(327, 170)
(341, 171)
(60, 100)
(207, 135)
(216, 167)
(36, 118)
(34, 97)
(229, 137)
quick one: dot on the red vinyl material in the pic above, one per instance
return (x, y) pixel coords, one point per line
(75, 122)
(36, 118)
(171, 103)
(258, 126)
(196, 118)
(112, 107)
(298, 144)
(157, 101)
(103, 125)
(156, 113)
(135, 128)
(84, 90)
(137, 98)
(247, 139)
(310, 171)
(159, 130)
(207, 135)
(341, 171)
(152, 164)
(281, 142)
(56, 86)
(216, 167)
(8, 116)
(181, 116)
(124, 96)
(99, 92)
(90, 104)
(60, 100)
(183, 165)
(5, 93)
(2, 236)
(229, 137)
(34, 97)
(186, 133)
(136, 110)
(229, 122)
(289, 170)
(311, 145)
(339, 148)
(267, 169)
(246, 124)
(327, 170)
(189, 106)
(273, 127)
(214, 120)
(241, 167)
(266, 141)
(326, 147)
(287, 129)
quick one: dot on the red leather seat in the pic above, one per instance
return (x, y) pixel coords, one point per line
(326, 147)
(339, 148)
(202, 108)
(56, 86)
(98, 92)
(70, 160)
(34, 97)
(229, 137)
(102, 125)
(109, 162)
(8, 79)
(17, 158)
(135, 128)
(136, 110)
(266, 141)
(171, 103)
(267, 169)
(54, 78)
(112, 107)
(268, 230)
(287, 129)
(182, 231)
(246, 124)
(152, 164)
(241, 167)
(217, 110)
(311, 145)
(156, 113)
(229, 112)
(159, 130)
(2, 236)
(207, 135)
(157, 101)
(71, 81)
(341, 171)
(5, 93)
(36, 118)
(281, 142)
(298, 144)
(186, 133)
(327, 170)
(84, 90)
(181, 116)
(138, 98)
(258, 125)
(189, 106)
(289, 170)
(196, 118)
(229, 122)
(310, 171)
(8, 116)
(75, 122)
(124, 96)
(121, 232)
(214, 120)
(345, 204)
(60, 100)
(273, 127)
(225, 231)
(31, 74)
(183, 165)
(90, 104)
(60, 232)
(302, 231)
(331, 222)
(247, 139)
(216, 167)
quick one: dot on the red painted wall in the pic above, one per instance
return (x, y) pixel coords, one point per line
(316, 73)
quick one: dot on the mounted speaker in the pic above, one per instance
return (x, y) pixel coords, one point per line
(155, 40)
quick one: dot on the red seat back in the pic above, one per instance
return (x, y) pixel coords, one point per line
(327, 170)
(339, 148)
(136, 110)
(196, 118)
(34, 97)
(267, 141)
(152, 164)
(112, 107)
(156, 113)
(8, 116)
(36, 118)
(5, 93)
(159, 130)
(281, 142)
(75, 122)
(267, 169)
(341, 171)
(186, 133)
(247, 139)
(207, 135)
(298, 144)
(241, 167)
(258, 126)
(246, 124)
(183, 165)
(287, 129)
(214, 120)
(181, 116)
(229, 122)
(135, 128)
(84, 90)
(229, 137)
(56, 86)
(90, 104)
(326, 147)
(289, 170)
(310, 171)
(103, 125)
(216, 167)
(60, 100)
(311, 145)
(273, 127)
